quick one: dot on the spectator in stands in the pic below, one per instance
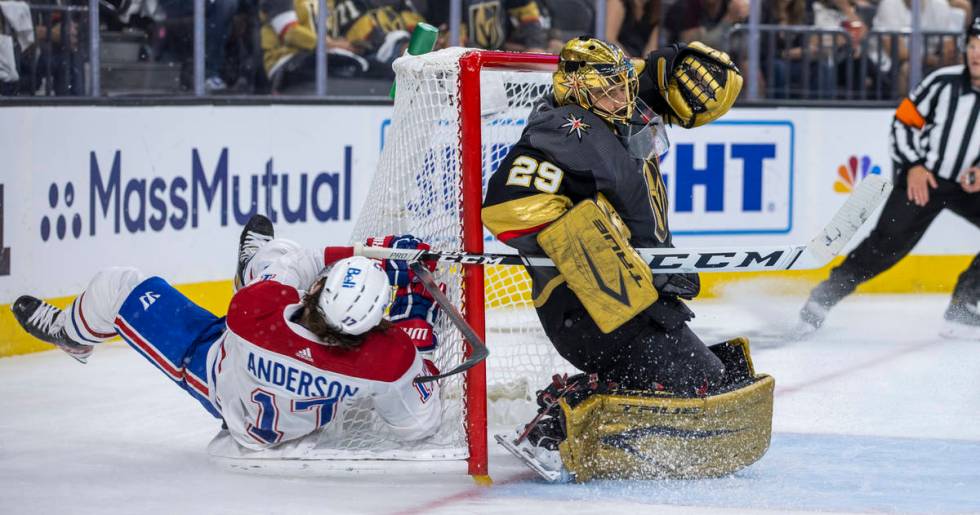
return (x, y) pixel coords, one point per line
(362, 39)
(377, 30)
(218, 16)
(841, 14)
(16, 33)
(707, 21)
(568, 19)
(514, 25)
(937, 16)
(792, 51)
(840, 53)
(54, 64)
(633, 25)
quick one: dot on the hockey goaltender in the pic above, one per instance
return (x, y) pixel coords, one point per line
(583, 186)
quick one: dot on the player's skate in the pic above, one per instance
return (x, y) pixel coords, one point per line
(256, 233)
(962, 322)
(811, 318)
(47, 323)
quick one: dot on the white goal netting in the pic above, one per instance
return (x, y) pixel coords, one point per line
(417, 190)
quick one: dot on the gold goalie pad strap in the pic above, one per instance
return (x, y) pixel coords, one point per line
(645, 436)
(590, 247)
(702, 85)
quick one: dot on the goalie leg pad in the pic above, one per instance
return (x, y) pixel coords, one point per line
(590, 247)
(649, 436)
(734, 354)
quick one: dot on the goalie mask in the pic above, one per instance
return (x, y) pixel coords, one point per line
(355, 295)
(597, 76)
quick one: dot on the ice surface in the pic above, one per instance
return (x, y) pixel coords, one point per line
(875, 413)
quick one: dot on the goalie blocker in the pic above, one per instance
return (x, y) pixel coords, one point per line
(602, 432)
(590, 247)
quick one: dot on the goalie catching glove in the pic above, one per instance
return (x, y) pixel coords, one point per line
(413, 309)
(690, 84)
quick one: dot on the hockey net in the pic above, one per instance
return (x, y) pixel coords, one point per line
(457, 113)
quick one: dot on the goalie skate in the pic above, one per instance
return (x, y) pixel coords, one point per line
(545, 463)
(46, 323)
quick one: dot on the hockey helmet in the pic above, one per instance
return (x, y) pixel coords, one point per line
(597, 76)
(355, 295)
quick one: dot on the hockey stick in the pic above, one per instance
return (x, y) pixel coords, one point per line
(479, 350)
(868, 195)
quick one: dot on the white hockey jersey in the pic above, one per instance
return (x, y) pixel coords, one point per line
(274, 382)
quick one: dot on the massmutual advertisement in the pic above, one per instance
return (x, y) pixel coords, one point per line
(167, 189)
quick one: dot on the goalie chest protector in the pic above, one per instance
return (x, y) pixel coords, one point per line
(584, 145)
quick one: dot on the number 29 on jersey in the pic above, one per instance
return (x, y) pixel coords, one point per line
(527, 172)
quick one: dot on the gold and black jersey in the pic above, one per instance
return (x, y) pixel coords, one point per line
(289, 26)
(490, 24)
(567, 155)
(364, 23)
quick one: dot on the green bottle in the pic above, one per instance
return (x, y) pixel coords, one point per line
(423, 41)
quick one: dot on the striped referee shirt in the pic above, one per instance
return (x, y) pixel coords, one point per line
(937, 127)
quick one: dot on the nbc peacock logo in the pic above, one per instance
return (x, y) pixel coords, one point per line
(849, 174)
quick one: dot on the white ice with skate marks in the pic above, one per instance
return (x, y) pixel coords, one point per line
(873, 413)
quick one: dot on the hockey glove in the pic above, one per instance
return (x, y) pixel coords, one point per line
(671, 312)
(413, 303)
(685, 286)
(420, 332)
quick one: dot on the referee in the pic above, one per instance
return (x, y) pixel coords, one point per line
(935, 145)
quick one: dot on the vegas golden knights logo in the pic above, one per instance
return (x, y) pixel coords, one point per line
(485, 30)
(658, 198)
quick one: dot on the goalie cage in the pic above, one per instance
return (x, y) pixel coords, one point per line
(457, 112)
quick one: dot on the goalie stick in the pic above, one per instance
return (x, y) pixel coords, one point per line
(479, 350)
(868, 195)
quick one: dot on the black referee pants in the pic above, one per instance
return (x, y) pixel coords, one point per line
(900, 227)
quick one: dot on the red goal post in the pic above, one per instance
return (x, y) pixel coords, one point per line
(456, 113)
(471, 138)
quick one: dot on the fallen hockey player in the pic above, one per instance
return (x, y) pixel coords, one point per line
(304, 338)
(583, 186)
